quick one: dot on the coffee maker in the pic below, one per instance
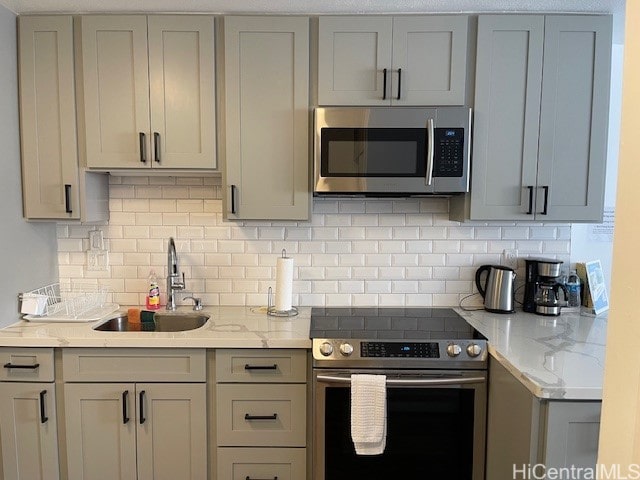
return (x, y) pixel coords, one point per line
(542, 287)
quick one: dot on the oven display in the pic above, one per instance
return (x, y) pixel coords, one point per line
(399, 349)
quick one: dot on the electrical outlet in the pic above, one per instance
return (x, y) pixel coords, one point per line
(510, 258)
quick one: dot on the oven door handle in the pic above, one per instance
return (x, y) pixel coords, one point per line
(416, 381)
(430, 150)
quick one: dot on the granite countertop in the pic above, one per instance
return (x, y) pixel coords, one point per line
(559, 358)
(228, 327)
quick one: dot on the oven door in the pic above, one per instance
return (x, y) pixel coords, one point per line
(436, 423)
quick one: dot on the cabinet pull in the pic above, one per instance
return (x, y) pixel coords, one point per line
(256, 478)
(261, 367)
(233, 199)
(399, 83)
(248, 416)
(143, 149)
(25, 367)
(530, 211)
(67, 198)
(141, 398)
(384, 84)
(125, 400)
(546, 200)
(43, 412)
(156, 146)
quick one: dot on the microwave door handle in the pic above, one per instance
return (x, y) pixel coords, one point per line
(430, 150)
(415, 381)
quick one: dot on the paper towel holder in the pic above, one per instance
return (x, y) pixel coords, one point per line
(271, 308)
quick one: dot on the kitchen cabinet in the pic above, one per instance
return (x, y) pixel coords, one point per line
(53, 185)
(402, 60)
(540, 119)
(28, 423)
(266, 92)
(120, 426)
(261, 413)
(525, 430)
(147, 91)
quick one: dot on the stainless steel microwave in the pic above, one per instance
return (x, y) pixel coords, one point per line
(391, 151)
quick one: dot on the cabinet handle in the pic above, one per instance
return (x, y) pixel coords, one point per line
(125, 400)
(546, 200)
(530, 211)
(233, 199)
(25, 367)
(256, 478)
(156, 146)
(67, 198)
(384, 84)
(248, 416)
(141, 398)
(43, 413)
(399, 83)
(261, 367)
(143, 148)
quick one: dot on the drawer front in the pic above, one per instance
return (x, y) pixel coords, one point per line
(261, 415)
(134, 365)
(262, 463)
(26, 364)
(263, 366)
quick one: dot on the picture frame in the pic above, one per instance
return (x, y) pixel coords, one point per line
(597, 287)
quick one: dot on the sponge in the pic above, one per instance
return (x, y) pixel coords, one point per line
(146, 316)
(133, 315)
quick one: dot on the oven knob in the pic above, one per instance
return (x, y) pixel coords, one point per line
(454, 350)
(473, 350)
(326, 349)
(346, 349)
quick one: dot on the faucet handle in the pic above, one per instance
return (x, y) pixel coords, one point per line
(197, 302)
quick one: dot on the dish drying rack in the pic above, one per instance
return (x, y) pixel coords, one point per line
(78, 302)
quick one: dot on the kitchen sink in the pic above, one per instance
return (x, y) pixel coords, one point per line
(162, 322)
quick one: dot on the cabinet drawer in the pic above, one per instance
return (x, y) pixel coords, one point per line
(261, 463)
(134, 365)
(261, 415)
(273, 365)
(26, 364)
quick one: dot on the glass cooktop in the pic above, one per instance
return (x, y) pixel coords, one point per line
(388, 323)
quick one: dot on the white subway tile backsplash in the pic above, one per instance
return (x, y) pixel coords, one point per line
(350, 252)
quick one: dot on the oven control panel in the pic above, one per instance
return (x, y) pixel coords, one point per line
(396, 349)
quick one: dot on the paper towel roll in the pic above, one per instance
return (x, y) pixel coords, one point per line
(284, 284)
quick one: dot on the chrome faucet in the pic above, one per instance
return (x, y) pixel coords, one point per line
(173, 277)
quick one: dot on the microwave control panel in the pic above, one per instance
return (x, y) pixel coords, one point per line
(448, 153)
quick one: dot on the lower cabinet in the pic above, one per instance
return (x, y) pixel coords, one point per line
(525, 431)
(28, 424)
(154, 430)
(261, 463)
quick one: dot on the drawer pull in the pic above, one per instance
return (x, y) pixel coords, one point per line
(255, 478)
(248, 416)
(43, 412)
(25, 367)
(261, 367)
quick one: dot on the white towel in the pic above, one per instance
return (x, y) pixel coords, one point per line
(369, 413)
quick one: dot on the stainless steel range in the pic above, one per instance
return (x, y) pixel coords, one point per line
(435, 366)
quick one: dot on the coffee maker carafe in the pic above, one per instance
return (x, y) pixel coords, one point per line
(542, 287)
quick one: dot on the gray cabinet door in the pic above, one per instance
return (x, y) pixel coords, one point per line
(29, 440)
(353, 55)
(574, 118)
(267, 115)
(48, 118)
(429, 60)
(101, 431)
(172, 431)
(506, 116)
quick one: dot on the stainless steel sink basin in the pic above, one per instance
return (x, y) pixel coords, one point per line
(162, 322)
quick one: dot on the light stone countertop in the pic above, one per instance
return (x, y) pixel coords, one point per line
(228, 327)
(558, 358)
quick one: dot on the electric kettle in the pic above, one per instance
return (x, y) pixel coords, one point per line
(498, 288)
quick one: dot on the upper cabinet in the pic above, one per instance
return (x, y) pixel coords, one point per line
(53, 187)
(266, 92)
(378, 60)
(541, 118)
(146, 86)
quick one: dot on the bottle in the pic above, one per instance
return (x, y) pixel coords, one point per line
(153, 298)
(573, 287)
